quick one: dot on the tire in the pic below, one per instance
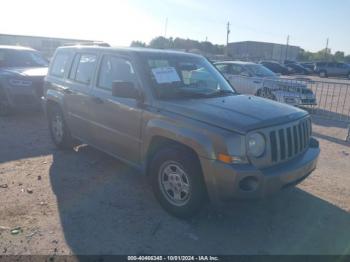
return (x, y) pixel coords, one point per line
(323, 74)
(5, 109)
(59, 130)
(177, 181)
(349, 76)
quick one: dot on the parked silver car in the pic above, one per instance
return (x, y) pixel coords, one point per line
(255, 79)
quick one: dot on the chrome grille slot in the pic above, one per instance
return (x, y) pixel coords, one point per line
(289, 141)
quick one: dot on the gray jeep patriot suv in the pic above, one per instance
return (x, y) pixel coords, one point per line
(193, 137)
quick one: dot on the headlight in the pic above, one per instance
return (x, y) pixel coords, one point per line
(256, 144)
(20, 82)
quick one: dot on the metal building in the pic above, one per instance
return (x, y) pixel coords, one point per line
(256, 51)
(46, 45)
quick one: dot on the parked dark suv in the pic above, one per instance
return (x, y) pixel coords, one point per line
(325, 69)
(22, 72)
(194, 137)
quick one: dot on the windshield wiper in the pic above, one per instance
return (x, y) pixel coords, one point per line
(221, 92)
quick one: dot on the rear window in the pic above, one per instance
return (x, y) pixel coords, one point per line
(60, 64)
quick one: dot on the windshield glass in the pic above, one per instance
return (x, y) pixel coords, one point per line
(21, 58)
(180, 76)
(260, 71)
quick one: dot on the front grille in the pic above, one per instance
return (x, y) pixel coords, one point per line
(25, 99)
(308, 101)
(289, 141)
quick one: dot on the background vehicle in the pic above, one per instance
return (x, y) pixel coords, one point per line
(308, 65)
(22, 72)
(276, 67)
(255, 79)
(325, 69)
(193, 137)
(296, 68)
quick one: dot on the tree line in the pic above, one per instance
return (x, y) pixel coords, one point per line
(178, 43)
(209, 48)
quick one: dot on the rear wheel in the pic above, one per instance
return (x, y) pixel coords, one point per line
(177, 181)
(5, 109)
(59, 130)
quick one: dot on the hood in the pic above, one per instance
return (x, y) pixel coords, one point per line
(37, 72)
(238, 113)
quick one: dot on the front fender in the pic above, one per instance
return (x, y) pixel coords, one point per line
(180, 133)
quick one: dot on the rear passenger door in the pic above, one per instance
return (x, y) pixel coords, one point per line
(78, 94)
(117, 121)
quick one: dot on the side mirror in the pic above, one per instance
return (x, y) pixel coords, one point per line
(125, 90)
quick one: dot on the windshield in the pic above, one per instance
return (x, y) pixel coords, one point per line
(180, 76)
(21, 58)
(259, 71)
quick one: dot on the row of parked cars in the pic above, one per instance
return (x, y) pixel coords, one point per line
(322, 69)
(171, 115)
(22, 72)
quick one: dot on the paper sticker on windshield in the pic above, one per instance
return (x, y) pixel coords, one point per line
(165, 75)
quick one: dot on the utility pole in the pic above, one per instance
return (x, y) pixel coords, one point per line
(326, 50)
(227, 36)
(166, 27)
(287, 46)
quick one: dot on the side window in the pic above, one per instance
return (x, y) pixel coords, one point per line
(223, 68)
(85, 68)
(114, 68)
(236, 69)
(60, 63)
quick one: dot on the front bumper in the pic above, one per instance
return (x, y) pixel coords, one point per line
(224, 181)
(20, 98)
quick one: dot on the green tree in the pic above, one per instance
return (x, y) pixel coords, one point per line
(137, 44)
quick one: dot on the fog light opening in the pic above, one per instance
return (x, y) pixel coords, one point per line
(248, 184)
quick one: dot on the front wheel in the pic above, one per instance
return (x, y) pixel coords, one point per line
(59, 130)
(177, 182)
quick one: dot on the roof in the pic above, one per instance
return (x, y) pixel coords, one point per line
(16, 47)
(261, 43)
(46, 37)
(138, 50)
(236, 62)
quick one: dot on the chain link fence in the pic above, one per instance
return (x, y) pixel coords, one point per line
(328, 99)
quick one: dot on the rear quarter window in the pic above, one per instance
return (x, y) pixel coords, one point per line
(60, 64)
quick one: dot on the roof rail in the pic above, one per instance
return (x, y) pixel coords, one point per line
(88, 43)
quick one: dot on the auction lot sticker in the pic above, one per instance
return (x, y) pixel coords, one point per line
(165, 75)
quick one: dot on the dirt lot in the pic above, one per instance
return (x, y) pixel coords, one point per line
(85, 202)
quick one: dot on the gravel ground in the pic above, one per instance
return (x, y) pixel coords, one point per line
(85, 202)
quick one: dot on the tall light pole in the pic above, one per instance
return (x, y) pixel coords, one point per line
(326, 50)
(287, 46)
(166, 27)
(227, 36)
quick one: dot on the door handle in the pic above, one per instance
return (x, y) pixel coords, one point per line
(97, 100)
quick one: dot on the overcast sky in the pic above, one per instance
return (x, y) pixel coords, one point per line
(308, 22)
